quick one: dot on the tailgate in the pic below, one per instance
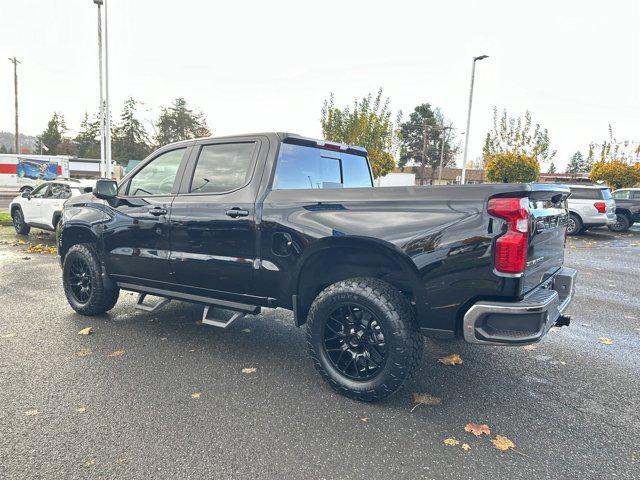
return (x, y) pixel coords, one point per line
(545, 253)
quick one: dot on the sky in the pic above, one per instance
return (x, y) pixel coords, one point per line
(268, 66)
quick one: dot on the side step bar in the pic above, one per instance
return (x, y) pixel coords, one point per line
(240, 309)
(140, 305)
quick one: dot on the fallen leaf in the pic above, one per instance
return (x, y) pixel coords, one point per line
(364, 419)
(466, 447)
(196, 395)
(425, 399)
(20, 242)
(31, 413)
(629, 317)
(530, 348)
(605, 341)
(477, 429)
(83, 352)
(453, 359)
(117, 353)
(86, 331)
(26, 258)
(245, 330)
(8, 335)
(585, 324)
(452, 442)
(199, 322)
(503, 443)
(89, 462)
(40, 248)
(249, 370)
(81, 409)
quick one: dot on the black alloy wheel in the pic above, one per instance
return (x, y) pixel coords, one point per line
(80, 280)
(354, 342)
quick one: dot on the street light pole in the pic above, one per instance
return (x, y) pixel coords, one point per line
(466, 138)
(106, 91)
(103, 169)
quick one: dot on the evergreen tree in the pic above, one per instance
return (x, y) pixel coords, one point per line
(3, 149)
(552, 168)
(53, 135)
(130, 139)
(412, 133)
(579, 164)
(178, 122)
(88, 138)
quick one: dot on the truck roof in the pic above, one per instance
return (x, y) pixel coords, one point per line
(287, 137)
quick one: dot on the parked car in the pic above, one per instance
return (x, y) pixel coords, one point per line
(627, 208)
(42, 206)
(280, 220)
(590, 206)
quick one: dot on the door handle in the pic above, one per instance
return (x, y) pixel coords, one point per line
(157, 211)
(236, 212)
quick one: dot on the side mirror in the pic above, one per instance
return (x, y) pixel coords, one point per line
(105, 189)
(26, 194)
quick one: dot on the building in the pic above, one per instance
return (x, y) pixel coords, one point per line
(450, 176)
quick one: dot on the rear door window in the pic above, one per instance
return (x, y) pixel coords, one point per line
(223, 167)
(606, 193)
(302, 167)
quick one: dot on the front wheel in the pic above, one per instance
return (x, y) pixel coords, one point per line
(19, 223)
(363, 338)
(622, 223)
(84, 286)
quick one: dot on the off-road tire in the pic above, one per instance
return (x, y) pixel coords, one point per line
(18, 222)
(101, 299)
(574, 228)
(623, 223)
(401, 333)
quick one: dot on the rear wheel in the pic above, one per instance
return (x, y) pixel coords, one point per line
(83, 283)
(363, 338)
(623, 223)
(18, 222)
(574, 224)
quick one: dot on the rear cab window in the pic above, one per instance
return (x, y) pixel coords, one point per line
(304, 167)
(589, 194)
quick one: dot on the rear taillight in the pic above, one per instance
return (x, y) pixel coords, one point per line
(510, 255)
(601, 207)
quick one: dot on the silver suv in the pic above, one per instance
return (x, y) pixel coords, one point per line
(590, 206)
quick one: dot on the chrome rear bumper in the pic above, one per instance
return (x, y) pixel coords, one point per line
(526, 321)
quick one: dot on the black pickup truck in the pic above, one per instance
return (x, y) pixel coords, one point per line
(280, 220)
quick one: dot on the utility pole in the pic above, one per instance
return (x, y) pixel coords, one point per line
(424, 152)
(15, 62)
(466, 138)
(444, 132)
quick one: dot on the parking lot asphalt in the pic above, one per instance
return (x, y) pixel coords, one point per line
(173, 401)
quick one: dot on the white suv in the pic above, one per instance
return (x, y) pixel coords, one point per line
(590, 206)
(42, 206)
